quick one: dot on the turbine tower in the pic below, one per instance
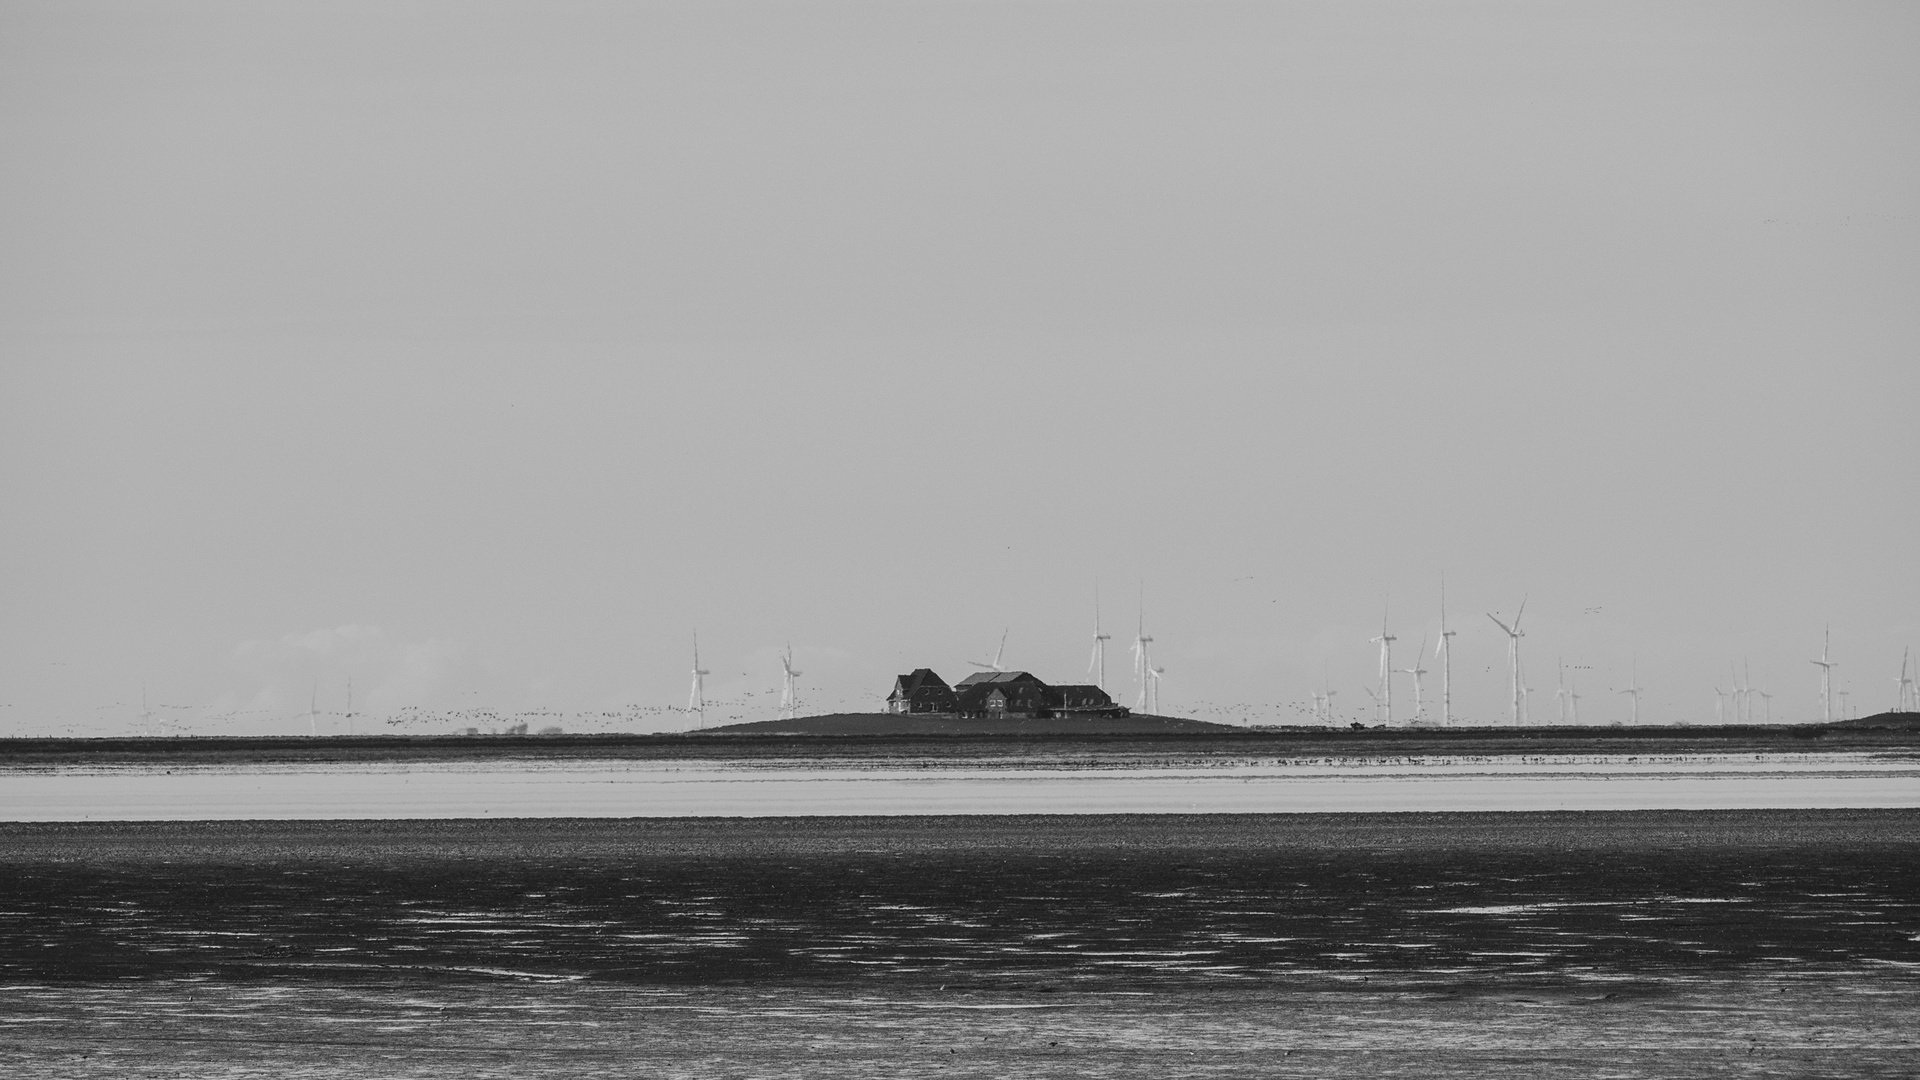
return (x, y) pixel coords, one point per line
(1443, 652)
(1514, 634)
(1142, 655)
(1908, 692)
(1323, 700)
(1385, 697)
(1562, 694)
(313, 709)
(1826, 667)
(1419, 711)
(697, 697)
(1767, 699)
(789, 698)
(1633, 691)
(997, 654)
(1097, 666)
(349, 705)
(1573, 697)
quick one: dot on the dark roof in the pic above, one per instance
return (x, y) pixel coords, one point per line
(979, 677)
(1082, 694)
(917, 679)
(1019, 695)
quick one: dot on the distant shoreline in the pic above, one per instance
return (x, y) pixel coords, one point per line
(881, 737)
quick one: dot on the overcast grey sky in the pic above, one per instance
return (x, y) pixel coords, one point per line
(479, 351)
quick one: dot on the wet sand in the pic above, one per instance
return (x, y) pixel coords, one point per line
(777, 787)
(1627, 944)
(1764, 1027)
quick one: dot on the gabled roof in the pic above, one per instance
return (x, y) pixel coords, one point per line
(1082, 696)
(1019, 694)
(1002, 677)
(916, 680)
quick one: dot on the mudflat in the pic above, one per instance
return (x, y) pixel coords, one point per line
(1621, 944)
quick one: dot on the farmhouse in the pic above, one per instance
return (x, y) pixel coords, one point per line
(920, 691)
(996, 694)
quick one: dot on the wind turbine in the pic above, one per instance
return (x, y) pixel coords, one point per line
(1908, 691)
(997, 654)
(1562, 694)
(1443, 652)
(1633, 691)
(1514, 634)
(1385, 641)
(1719, 706)
(349, 705)
(1573, 697)
(313, 708)
(697, 697)
(1098, 664)
(1153, 689)
(1826, 676)
(1846, 706)
(1419, 714)
(789, 699)
(1142, 654)
(1767, 699)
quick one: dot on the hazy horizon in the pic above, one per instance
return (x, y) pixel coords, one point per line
(480, 353)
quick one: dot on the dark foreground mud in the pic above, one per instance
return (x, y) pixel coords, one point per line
(1390, 945)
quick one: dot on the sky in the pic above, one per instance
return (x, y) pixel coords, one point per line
(479, 353)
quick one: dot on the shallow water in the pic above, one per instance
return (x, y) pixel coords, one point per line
(1637, 944)
(1214, 898)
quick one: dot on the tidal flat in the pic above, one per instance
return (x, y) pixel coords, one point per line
(853, 786)
(1644, 943)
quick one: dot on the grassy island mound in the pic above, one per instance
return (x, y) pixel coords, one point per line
(891, 724)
